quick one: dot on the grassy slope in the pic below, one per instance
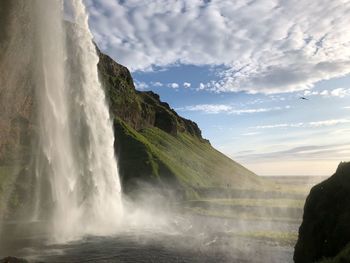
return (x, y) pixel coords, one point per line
(157, 146)
(197, 163)
(183, 161)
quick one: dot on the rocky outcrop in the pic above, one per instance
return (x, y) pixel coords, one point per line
(325, 229)
(137, 108)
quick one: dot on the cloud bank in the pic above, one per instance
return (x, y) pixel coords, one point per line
(307, 152)
(228, 109)
(338, 92)
(267, 46)
(312, 124)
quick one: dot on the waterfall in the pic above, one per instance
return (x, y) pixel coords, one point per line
(76, 186)
(76, 131)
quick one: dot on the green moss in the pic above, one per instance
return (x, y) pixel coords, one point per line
(136, 155)
(196, 163)
(184, 162)
(7, 181)
(3, 179)
(239, 215)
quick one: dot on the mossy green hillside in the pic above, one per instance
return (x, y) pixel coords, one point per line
(9, 199)
(157, 146)
(183, 162)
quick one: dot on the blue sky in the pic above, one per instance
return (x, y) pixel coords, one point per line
(238, 68)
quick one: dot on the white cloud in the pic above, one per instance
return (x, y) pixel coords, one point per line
(173, 85)
(304, 152)
(327, 123)
(187, 85)
(314, 124)
(340, 92)
(202, 86)
(157, 84)
(324, 93)
(207, 108)
(311, 93)
(228, 109)
(140, 85)
(242, 111)
(280, 125)
(266, 46)
(250, 133)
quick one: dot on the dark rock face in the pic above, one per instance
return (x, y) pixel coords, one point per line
(16, 89)
(325, 229)
(139, 109)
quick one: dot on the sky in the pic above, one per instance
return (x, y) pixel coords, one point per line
(238, 68)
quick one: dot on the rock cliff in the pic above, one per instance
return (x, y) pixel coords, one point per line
(325, 229)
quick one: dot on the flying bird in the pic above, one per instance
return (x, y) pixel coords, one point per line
(303, 98)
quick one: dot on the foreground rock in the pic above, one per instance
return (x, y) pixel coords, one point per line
(325, 229)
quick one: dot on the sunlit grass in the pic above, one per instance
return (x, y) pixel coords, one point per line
(183, 161)
(236, 215)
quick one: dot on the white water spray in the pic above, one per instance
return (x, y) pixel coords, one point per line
(76, 136)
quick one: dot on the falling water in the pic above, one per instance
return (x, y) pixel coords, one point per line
(77, 189)
(76, 132)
